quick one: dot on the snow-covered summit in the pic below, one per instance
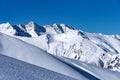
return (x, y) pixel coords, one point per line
(7, 28)
(34, 29)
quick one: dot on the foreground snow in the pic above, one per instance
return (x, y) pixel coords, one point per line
(12, 69)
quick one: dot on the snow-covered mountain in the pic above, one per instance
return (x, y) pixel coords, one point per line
(63, 41)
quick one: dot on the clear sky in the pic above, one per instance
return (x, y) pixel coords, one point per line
(88, 15)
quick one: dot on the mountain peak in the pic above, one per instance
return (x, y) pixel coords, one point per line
(7, 28)
(5, 24)
(31, 23)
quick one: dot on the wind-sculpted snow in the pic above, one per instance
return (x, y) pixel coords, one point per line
(63, 40)
(12, 69)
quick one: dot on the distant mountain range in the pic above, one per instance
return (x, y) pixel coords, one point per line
(65, 43)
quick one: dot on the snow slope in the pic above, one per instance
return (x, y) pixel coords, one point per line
(63, 40)
(12, 69)
(20, 50)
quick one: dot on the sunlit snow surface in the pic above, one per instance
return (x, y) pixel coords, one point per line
(12, 69)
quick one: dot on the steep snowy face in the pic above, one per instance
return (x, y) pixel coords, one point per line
(21, 30)
(62, 40)
(34, 29)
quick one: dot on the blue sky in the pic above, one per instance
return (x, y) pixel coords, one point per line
(88, 15)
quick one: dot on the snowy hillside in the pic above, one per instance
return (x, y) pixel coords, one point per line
(14, 69)
(66, 41)
(22, 51)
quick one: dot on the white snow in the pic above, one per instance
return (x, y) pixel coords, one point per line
(64, 41)
(6, 28)
(20, 50)
(30, 27)
(12, 69)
